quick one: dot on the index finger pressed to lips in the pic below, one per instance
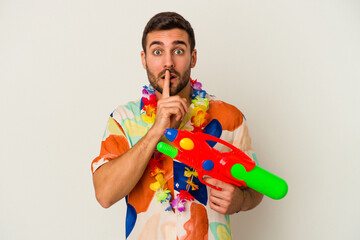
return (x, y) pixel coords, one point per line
(166, 86)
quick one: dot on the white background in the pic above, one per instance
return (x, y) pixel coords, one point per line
(293, 68)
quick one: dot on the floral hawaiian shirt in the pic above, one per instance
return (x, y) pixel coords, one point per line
(146, 218)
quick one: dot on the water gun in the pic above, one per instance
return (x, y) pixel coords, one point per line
(233, 167)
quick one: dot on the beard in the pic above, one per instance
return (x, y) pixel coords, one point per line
(175, 87)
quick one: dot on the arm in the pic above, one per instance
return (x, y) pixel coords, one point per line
(115, 179)
(252, 199)
(233, 199)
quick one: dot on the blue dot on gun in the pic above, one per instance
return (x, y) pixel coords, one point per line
(208, 165)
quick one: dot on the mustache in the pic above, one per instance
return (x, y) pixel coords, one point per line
(170, 70)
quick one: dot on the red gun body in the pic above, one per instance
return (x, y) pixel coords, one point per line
(194, 151)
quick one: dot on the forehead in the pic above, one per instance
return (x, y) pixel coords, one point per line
(167, 37)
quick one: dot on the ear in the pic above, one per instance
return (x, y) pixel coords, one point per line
(143, 59)
(193, 58)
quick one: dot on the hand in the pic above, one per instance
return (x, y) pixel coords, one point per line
(227, 201)
(170, 110)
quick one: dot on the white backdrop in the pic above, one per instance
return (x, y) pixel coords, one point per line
(293, 68)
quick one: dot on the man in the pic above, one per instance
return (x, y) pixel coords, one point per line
(165, 199)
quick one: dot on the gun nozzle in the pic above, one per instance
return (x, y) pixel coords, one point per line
(170, 134)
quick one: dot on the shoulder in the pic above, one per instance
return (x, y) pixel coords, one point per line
(129, 118)
(129, 110)
(228, 115)
(123, 114)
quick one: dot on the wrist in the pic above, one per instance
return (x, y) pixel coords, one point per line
(244, 197)
(155, 133)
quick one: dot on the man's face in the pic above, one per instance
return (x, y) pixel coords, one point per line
(168, 50)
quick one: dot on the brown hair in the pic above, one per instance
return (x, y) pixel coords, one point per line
(167, 21)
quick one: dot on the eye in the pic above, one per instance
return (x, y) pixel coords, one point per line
(178, 51)
(157, 52)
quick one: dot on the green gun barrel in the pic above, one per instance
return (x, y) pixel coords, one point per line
(167, 149)
(261, 180)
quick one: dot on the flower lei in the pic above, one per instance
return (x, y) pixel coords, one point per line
(199, 119)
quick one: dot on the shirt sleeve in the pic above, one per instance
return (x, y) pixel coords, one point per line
(242, 140)
(114, 144)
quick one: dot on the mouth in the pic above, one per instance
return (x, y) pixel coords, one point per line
(172, 77)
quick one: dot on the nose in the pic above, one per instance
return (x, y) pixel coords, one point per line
(168, 61)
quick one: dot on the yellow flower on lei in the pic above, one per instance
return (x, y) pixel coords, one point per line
(149, 117)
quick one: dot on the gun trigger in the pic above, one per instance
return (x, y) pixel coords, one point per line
(217, 188)
(207, 184)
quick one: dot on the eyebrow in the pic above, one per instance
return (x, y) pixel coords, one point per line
(177, 42)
